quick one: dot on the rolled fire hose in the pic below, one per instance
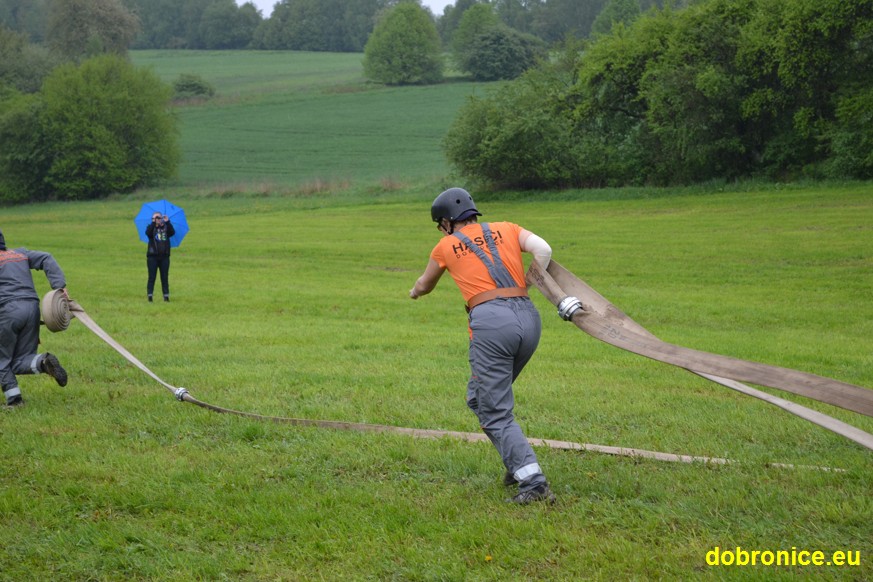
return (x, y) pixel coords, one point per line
(593, 314)
(58, 313)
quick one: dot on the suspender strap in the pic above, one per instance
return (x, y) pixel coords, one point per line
(495, 266)
(506, 285)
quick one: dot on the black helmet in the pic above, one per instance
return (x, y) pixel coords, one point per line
(2, 242)
(453, 204)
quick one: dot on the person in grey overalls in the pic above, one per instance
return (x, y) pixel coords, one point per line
(486, 263)
(19, 319)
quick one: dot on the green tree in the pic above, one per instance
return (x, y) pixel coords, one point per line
(693, 90)
(515, 14)
(517, 136)
(320, 25)
(404, 48)
(191, 21)
(359, 18)
(162, 24)
(107, 129)
(81, 28)
(555, 20)
(615, 11)
(720, 89)
(307, 24)
(25, 16)
(502, 53)
(24, 154)
(451, 18)
(476, 20)
(803, 57)
(851, 137)
(23, 65)
(223, 25)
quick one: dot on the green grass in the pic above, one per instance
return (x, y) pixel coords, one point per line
(286, 119)
(245, 75)
(295, 304)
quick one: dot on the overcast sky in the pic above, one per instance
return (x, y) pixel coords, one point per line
(266, 6)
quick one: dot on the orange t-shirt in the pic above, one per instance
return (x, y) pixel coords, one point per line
(468, 270)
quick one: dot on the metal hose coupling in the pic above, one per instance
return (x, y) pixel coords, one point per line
(180, 394)
(568, 307)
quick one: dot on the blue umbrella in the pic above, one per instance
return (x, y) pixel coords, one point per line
(165, 208)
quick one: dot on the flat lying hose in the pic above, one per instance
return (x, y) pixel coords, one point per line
(596, 302)
(602, 320)
(183, 395)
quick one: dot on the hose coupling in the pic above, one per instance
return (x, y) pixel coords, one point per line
(180, 394)
(568, 307)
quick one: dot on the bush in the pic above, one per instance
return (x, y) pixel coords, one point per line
(514, 138)
(23, 65)
(851, 137)
(718, 90)
(189, 86)
(404, 48)
(24, 159)
(502, 53)
(95, 129)
(477, 20)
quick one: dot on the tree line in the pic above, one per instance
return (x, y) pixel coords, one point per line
(312, 25)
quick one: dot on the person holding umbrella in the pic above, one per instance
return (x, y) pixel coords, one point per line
(154, 227)
(158, 232)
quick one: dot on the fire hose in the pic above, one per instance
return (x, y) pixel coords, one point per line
(58, 311)
(592, 313)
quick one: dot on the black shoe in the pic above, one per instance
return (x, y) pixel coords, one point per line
(150, 298)
(16, 401)
(166, 297)
(541, 493)
(509, 479)
(52, 367)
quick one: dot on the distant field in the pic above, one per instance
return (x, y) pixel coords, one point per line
(250, 74)
(290, 118)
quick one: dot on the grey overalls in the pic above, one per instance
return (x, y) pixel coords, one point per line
(504, 335)
(19, 314)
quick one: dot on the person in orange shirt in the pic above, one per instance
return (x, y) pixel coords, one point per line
(485, 261)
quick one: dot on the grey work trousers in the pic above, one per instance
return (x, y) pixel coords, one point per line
(504, 335)
(19, 341)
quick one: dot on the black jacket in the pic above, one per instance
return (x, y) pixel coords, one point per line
(159, 239)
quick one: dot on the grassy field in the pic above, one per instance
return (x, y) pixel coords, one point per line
(296, 305)
(285, 119)
(308, 192)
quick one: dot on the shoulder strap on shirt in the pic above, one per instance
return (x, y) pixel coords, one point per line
(495, 265)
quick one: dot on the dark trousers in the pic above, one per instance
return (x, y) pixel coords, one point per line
(161, 264)
(19, 340)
